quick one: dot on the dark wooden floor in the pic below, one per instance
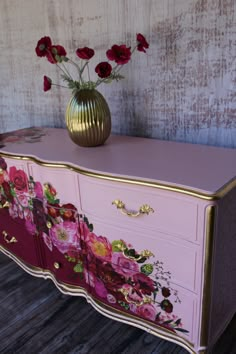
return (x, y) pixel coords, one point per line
(36, 318)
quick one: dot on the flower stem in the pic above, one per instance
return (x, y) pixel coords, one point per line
(69, 75)
(78, 68)
(59, 85)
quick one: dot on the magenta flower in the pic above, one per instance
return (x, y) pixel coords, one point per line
(38, 189)
(64, 235)
(123, 265)
(99, 246)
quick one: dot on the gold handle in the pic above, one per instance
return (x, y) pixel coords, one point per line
(144, 209)
(56, 265)
(6, 236)
(5, 205)
(145, 300)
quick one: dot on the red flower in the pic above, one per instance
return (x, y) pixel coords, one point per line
(142, 43)
(68, 212)
(42, 46)
(165, 292)
(53, 210)
(47, 83)
(19, 178)
(119, 53)
(103, 69)
(167, 306)
(143, 283)
(55, 52)
(85, 53)
(3, 164)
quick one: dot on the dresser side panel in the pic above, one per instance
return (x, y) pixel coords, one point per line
(223, 305)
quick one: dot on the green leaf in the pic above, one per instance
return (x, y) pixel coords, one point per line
(90, 227)
(142, 260)
(157, 316)
(78, 268)
(147, 269)
(181, 330)
(118, 246)
(13, 193)
(178, 321)
(131, 252)
(167, 322)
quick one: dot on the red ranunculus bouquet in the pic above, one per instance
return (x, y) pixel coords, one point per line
(106, 72)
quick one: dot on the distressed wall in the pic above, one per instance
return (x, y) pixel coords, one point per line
(184, 89)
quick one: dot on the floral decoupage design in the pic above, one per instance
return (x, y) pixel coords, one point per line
(118, 273)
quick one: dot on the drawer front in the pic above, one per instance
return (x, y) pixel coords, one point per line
(174, 215)
(146, 288)
(67, 265)
(17, 240)
(169, 260)
(64, 182)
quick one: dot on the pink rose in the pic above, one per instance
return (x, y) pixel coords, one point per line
(147, 311)
(124, 265)
(64, 235)
(19, 179)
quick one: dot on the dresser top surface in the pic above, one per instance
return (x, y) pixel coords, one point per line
(201, 168)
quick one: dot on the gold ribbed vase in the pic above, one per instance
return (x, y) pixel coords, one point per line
(88, 118)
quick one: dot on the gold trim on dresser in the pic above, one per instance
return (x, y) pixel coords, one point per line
(210, 224)
(144, 209)
(210, 197)
(99, 306)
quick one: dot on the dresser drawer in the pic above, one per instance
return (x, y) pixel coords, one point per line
(173, 214)
(17, 240)
(170, 260)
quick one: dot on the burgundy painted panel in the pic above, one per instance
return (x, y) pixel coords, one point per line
(26, 246)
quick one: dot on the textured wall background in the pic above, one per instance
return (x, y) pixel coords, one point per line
(184, 89)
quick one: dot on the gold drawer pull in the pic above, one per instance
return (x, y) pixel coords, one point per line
(145, 300)
(144, 209)
(5, 205)
(56, 265)
(9, 239)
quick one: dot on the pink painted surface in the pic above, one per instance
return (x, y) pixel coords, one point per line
(198, 167)
(174, 233)
(173, 214)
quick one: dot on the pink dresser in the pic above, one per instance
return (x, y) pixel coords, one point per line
(144, 229)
